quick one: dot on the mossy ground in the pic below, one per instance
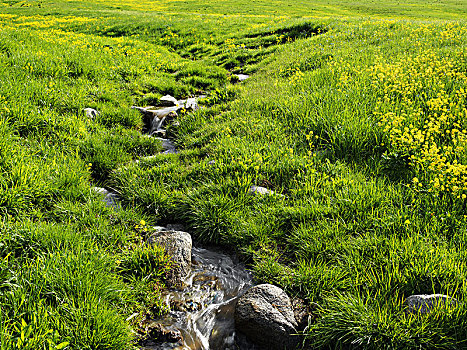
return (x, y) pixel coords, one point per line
(355, 115)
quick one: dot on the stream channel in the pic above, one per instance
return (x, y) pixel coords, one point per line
(203, 311)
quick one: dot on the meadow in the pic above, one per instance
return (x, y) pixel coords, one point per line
(355, 115)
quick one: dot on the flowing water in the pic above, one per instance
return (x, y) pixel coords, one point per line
(203, 311)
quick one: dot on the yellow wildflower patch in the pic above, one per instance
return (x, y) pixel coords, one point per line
(422, 110)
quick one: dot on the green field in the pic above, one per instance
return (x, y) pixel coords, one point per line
(355, 115)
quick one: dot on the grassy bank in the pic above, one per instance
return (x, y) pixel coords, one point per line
(355, 116)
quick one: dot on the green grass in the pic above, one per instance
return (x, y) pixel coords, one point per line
(364, 213)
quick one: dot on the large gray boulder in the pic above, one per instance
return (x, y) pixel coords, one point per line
(265, 315)
(178, 245)
(424, 303)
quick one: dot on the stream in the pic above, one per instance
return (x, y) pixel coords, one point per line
(203, 311)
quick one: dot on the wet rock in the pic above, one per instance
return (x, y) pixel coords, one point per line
(204, 278)
(168, 101)
(424, 303)
(91, 113)
(264, 314)
(184, 306)
(162, 334)
(178, 244)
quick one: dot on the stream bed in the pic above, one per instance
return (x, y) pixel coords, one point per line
(203, 311)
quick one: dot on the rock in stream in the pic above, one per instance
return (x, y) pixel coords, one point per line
(178, 244)
(265, 314)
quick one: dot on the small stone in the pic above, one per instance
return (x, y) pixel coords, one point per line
(91, 113)
(242, 77)
(424, 303)
(259, 190)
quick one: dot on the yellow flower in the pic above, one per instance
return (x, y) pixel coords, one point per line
(142, 222)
